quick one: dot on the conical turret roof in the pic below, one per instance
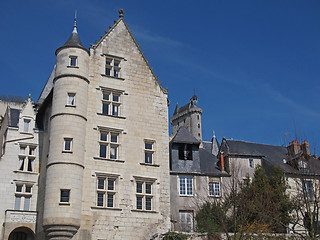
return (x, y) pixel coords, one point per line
(73, 41)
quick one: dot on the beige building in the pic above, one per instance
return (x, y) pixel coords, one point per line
(19, 164)
(103, 120)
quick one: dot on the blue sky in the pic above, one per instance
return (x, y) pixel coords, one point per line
(253, 64)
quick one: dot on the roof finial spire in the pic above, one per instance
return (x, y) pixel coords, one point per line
(75, 22)
(121, 12)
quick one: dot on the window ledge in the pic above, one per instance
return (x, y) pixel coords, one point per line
(143, 211)
(211, 196)
(151, 165)
(108, 159)
(19, 171)
(27, 133)
(64, 203)
(71, 106)
(104, 75)
(186, 195)
(64, 151)
(107, 208)
(72, 66)
(111, 116)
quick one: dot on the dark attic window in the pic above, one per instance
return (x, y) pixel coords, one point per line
(185, 151)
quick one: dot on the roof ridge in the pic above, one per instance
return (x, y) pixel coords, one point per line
(255, 143)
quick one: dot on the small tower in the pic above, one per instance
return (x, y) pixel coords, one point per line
(188, 116)
(63, 196)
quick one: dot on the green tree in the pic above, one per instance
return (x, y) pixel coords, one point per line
(262, 206)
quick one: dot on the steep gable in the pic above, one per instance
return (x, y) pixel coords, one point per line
(120, 27)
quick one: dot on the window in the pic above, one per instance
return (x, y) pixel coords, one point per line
(309, 189)
(144, 195)
(112, 67)
(110, 103)
(71, 99)
(27, 155)
(64, 195)
(246, 182)
(26, 125)
(186, 185)
(186, 221)
(251, 163)
(67, 146)
(198, 125)
(109, 145)
(22, 197)
(148, 152)
(106, 191)
(214, 189)
(73, 61)
(185, 152)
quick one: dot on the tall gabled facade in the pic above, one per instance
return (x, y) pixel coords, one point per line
(104, 132)
(19, 164)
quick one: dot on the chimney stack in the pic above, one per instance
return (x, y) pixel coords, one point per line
(294, 148)
(305, 147)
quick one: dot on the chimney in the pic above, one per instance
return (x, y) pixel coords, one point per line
(293, 148)
(305, 147)
(221, 162)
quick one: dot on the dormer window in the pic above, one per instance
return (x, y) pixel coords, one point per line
(185, 151)
(73, 61)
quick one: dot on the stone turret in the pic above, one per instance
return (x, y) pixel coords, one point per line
(62, 205)
(188, 116)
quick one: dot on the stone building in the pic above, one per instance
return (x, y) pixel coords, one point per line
(194, 175)
(103, 120)
(299, 167)
(19, 164)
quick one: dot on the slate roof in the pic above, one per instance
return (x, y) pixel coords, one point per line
(207, 161)
(207, 146)
(184, 136)
(181, 109)
(208, 164)
(256, 149)
(272, 155)
(73, 41)
(14, 117)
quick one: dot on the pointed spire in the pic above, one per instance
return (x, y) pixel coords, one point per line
(75, 23)
(74, 40)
